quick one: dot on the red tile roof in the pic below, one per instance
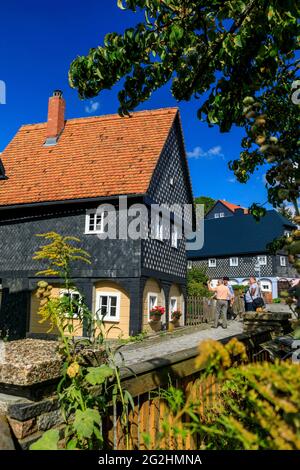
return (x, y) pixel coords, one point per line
(94, 157)
(232, 207)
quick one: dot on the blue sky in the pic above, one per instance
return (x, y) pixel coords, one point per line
(38, 41)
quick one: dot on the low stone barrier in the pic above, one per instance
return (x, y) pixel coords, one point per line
(279, 322)
(6, 440)
(28, 398)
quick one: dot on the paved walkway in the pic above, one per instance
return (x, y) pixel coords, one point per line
(174, 343)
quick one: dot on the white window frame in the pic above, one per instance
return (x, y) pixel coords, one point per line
(108, 317)
(62, 292)
(262, 260)
(173, 299)
(151, 294)
(263, 284)
(159, 231)
(234, 261)
(287, 233)
(283, 261)
(190, 264)
(222, 214)
(96, 230)
(217, 215)
(174, 235)
(212, 262)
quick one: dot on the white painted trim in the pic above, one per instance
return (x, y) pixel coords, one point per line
(265, 260)
(283, 261)
(87, 230)
(231, 263)
(174, 230)
(151, 294)
(108, 318)
(176, 305)
(209, 262)
(70, 291)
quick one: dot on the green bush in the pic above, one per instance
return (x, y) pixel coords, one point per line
(197, 283)
(277, 300)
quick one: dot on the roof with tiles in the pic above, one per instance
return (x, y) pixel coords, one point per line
(232, 207)
(94, 157)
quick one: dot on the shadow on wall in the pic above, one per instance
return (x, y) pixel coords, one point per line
(14, 307)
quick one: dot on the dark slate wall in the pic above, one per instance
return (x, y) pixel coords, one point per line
(18, 242)
(244, 269)
(159, 256)
(14, 308)
(119, 260)
(283, 271)
(219, 207)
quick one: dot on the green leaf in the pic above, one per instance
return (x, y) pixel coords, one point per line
(48, 441)
(129, 399)
(120, 5)
(238, 41)
(176, 33)
(85, 422)
(297, 334)
(98, 375)
(270, 13)
(72, 444)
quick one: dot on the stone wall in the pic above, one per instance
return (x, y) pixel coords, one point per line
(28, 402)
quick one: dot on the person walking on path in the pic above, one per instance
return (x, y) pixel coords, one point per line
(251, 294)
(222, 294)
(230, 299)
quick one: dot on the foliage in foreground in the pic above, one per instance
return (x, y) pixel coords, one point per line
(238, 57)
(256, 406)
(90, 381)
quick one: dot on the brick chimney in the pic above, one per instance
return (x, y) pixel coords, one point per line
(56, 117)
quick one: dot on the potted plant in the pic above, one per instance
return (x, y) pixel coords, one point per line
(156, 313)
(175, 315)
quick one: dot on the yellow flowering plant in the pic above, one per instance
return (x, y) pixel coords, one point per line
(82, 408)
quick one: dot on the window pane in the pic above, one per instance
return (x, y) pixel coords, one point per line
(92, 222)
(113, 301)
(113, 311)
(152, 301)
(98, 222)
(75, 296)
(160, 227)
(103, 304)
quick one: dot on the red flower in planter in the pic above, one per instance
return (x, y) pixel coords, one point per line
(157, 312)
(176, 314)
